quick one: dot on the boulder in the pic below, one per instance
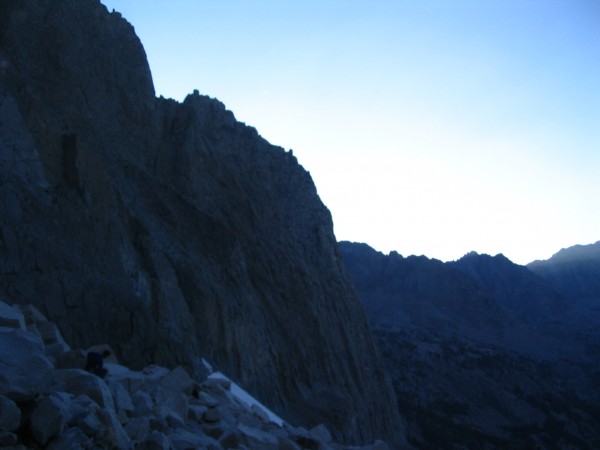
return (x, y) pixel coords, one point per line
(196, 412)
(71, 439)
(10, 414)
(169, 404)
(184, 438)
(138, 428)
(260, 413)
(112, 434)
(31, 314)
(142, 403)
(215, 430)
(156, 441)
(145, 380)
(11, 317)
(121, 397)
(205, 399)
(80, 382)
(216, 382)
(251, 420)
(89, 422)
(178, 380)
(52, 338)
(50, 417)
(24, 368)
(256, 438)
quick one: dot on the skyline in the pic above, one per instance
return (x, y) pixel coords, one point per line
(431, 127)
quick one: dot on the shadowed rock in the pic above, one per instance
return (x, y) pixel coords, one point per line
(170, 230)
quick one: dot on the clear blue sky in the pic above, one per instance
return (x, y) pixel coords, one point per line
(429, 127)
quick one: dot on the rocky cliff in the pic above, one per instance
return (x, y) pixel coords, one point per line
(170, 230)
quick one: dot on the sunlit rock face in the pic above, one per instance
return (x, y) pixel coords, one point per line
(170, 230)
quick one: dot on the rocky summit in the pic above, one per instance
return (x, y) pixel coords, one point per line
(171, 231)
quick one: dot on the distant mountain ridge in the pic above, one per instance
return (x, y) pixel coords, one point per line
(574, 272)
(521, 293)
(485, 353)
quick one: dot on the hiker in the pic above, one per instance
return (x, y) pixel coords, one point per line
(95, 363)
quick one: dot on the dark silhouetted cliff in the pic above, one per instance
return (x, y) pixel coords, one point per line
(170, 230)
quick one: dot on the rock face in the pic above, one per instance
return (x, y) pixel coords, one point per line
(171, 231)
(483, 353)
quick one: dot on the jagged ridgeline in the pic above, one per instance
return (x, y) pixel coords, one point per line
(170, 230)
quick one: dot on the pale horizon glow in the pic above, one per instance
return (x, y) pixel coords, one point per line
(429, 127)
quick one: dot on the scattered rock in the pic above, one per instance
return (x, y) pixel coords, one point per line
(53, 340)
(10, 317)
(31, 314)
(50, 417)
(178, 380)
(138, 428)
(69, 408)
(156, 441)
(142, 403)
(171, 405)
(121, 397)
(24, 367)
(71, 439)
(80, 382)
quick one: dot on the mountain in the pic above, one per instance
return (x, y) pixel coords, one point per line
(483, 353)
(521, 293)
(574, 272)
(422, 293)
(170, 230)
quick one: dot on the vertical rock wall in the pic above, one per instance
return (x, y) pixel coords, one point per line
(171, 230)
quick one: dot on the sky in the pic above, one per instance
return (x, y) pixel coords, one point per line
(429, 127)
